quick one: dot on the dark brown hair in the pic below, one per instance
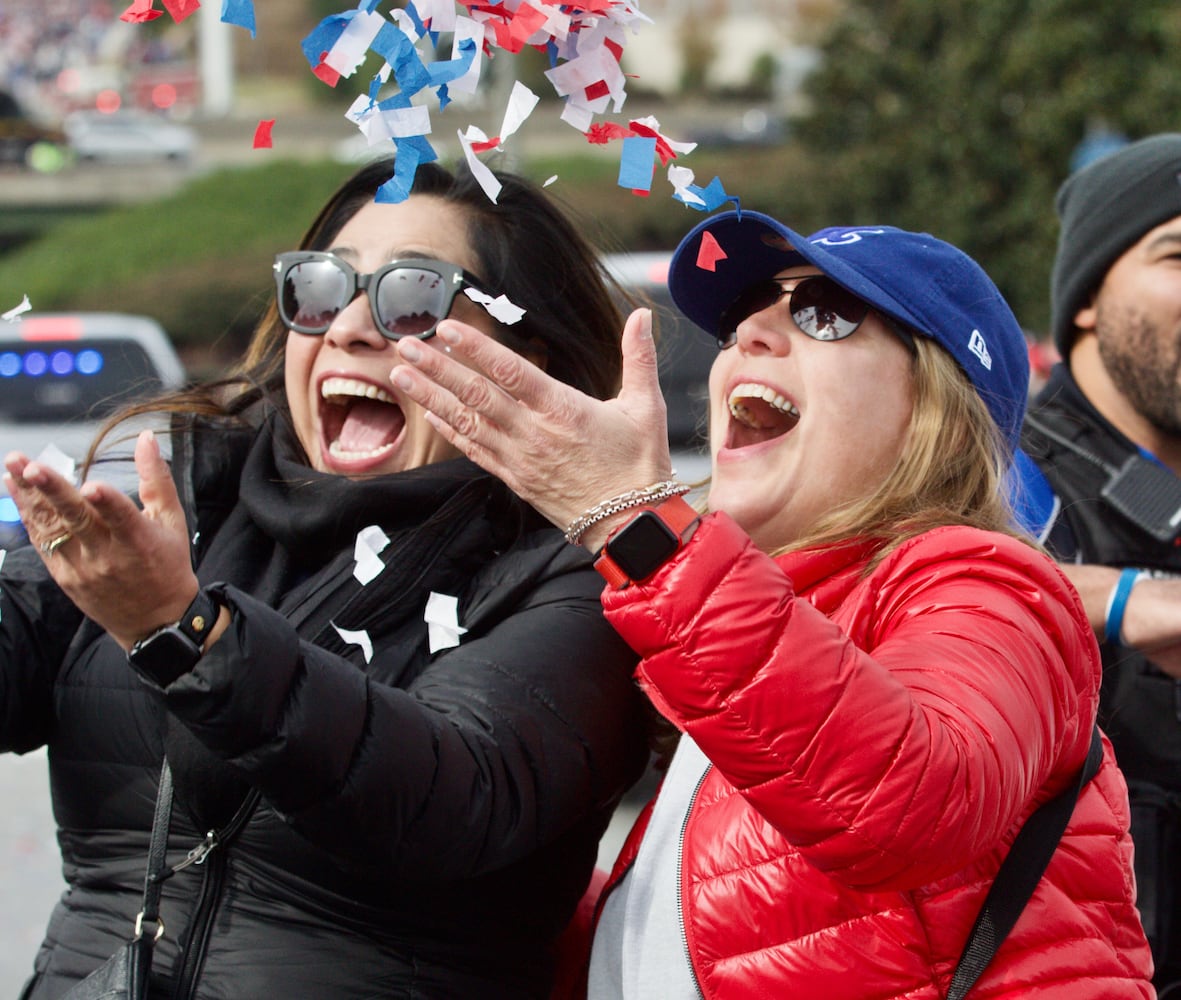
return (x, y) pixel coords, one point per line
(526, 248)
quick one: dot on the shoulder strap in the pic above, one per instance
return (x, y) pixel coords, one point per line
(1019, 875)
(157, 856)
(1036, 423)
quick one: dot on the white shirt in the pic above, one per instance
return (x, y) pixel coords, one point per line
(639, 951)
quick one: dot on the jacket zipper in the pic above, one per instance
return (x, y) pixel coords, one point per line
(213, 862)
(680, 905)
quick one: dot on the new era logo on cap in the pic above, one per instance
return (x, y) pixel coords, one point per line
(978, 347)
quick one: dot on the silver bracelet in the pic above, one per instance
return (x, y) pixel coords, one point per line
(625, 501)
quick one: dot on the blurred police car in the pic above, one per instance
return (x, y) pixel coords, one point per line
(62, 374)
(685, 355)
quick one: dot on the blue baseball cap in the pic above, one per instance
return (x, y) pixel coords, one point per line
(920, 281)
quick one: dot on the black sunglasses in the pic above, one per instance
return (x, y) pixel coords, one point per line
(819, 307)
(408, 298)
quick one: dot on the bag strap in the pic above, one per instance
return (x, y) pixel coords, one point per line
(157, 858)
(1019, 875)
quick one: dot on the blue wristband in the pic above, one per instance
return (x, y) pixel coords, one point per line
(1116, 605)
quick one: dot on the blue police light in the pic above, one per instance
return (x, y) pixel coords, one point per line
(88, 362)
(61, 362)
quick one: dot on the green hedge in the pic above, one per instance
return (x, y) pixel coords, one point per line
(199, 261)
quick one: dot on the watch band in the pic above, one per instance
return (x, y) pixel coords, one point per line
(199, 618)
(679, 520)
(173, 650)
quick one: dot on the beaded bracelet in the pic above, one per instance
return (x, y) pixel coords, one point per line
(625, 501)
(1117, 603)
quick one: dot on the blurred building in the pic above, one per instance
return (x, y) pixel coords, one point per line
(61, 55)
(754, 48)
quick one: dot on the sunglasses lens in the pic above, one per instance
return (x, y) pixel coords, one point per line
(312, 293)
(826, 311)
(412, 301)
(755, 299)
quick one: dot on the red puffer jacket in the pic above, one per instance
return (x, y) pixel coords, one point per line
(877, 741)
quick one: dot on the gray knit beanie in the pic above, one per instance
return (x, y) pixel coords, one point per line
(1105, 208)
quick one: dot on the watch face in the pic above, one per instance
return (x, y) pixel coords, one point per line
(165, 655)
(643, 546)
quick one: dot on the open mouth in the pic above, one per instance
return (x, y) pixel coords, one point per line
(759, 414)
(360, 422)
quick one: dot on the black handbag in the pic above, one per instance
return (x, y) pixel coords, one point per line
(1019, 875)
(124, 976)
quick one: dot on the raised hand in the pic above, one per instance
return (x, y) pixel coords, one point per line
(127, 569)
(559, 449)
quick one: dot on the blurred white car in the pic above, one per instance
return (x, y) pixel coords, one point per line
(127, 136)
(685, 352)
(62, 374)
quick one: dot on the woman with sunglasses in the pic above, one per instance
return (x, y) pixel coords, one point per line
(396, 720)
(877, 679)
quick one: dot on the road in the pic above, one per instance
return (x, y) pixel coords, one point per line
(324, 132)
(30, 866)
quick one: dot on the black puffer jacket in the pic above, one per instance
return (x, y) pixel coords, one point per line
(427, 821)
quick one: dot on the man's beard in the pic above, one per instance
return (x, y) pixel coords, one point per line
(1143, 364)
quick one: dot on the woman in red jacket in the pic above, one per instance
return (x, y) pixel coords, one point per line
(877, 679)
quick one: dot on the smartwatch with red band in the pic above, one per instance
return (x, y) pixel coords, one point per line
(646, 542)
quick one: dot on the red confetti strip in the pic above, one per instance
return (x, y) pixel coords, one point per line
(326, 73)
(710, 252)
(262, 134)
(597, 90)
(601, 133)
(140, 11)
(180, 9)
(663, 149)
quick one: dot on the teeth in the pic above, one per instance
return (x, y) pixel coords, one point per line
(353, 387)
(343, 453)
(752, 390)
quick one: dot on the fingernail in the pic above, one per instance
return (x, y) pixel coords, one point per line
(402, 379)
(449, 335)
(410, 350)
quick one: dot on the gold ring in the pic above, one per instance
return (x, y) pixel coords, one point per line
(50, 547)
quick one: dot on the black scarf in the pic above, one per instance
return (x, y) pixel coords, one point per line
(288, 540)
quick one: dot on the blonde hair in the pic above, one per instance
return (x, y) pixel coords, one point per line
(951, 469)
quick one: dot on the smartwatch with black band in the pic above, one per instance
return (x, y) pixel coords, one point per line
(175, 649)
(646, 542)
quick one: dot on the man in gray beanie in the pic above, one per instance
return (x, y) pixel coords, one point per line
(1106, 434)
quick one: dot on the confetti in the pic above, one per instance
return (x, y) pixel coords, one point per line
(140, 12)
(637, 162)
(367, 549)
(442, 619)
(358, 638)
(22, 307)
(57, 460)
(262, 133)
(584, 43)
(487, 180)
(499, 308)
(710, 252)
(180, 9)
(240, 13)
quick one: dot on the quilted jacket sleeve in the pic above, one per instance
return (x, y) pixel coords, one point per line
(37, 624)
(502, 745)
(896, 738)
